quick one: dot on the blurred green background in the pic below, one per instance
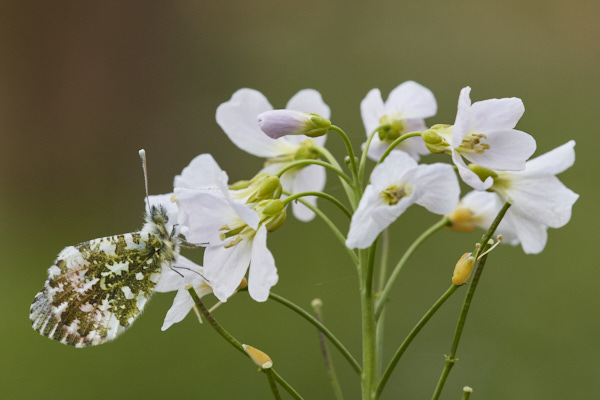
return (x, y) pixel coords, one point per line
(84, 85)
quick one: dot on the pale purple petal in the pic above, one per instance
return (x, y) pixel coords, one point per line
(263, 273)
(532, 235)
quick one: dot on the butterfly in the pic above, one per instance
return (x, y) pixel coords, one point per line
(96, 289)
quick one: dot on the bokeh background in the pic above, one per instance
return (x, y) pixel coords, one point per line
(84, 85)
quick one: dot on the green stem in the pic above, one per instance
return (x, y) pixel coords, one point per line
(307, 316)
(383, 265)
(234, 342)
(388, 287)
(302, 163)
(353, 166)
(363, 157)
(395, 143)
(413, 333)
(333, 228)
(271, 379)
(369, 375)
(326, 196)
(333, 379)
(350, 187)
(451, 359)
(288, 388)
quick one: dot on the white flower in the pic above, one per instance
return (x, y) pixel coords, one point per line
(484, 134)
(183, 273)
(397, 183)
(405, 110)
(539, 201)
(229, 228)
(238, 118)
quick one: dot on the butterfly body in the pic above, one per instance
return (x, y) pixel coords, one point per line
(96, 289)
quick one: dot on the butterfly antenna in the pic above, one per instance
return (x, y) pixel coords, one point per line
(142, 153)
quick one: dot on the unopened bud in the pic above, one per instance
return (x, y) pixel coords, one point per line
(436, 138)
(463, 269)
(462, 220)
(260, 358)
(278, 123)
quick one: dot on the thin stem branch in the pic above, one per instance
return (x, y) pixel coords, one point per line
(350, 150)
(451, 359)
(326, 196)
(234, 342)
(307, 316)
(271, 379)
(350, 186)
(388, 287)
(369, 375)
(395, 143)
(333, 379)
(413, 333)
(333, 228)
(302, 163)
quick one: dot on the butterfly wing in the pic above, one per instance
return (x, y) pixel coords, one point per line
(96, 289)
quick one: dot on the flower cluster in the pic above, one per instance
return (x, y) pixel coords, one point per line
(232, 221)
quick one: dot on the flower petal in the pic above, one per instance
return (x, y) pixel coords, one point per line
(411, 100)
(468, 176)
(509, 149)
(497, 114)
(311, 101)
(202, 172)
(237, 118)
(372, 109)
(439, 187)
(363, 228)
(308, 179)
(553, 162)
(225, 267)
(263, 273)
(182, 304)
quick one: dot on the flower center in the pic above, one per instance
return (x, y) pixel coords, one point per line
(395, 127)
(474, 142)
(393, 194)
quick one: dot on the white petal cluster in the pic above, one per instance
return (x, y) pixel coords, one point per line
(397, 183)
(221, 221)
(238, 118)
(539, 200)
(405, 111)
(484, 134)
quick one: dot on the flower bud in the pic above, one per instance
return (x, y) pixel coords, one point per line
(277, 123)
(462, 220)
(264, 187)
(436, 138)
(463, 269)
(260, 358)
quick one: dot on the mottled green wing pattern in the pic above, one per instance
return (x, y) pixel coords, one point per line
(96, 289)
